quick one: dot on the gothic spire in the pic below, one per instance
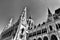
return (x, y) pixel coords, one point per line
(10, 22)
(50, 16)
(49, 13)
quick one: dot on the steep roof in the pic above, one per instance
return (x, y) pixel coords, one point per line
(57, 11)
(10, 30)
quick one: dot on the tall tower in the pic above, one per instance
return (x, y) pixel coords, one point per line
(22, 28)
(24, 16)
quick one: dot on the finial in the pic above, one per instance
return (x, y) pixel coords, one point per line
(49, 13)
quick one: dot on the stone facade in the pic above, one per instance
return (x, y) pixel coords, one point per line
(42, 31)
(49, 26)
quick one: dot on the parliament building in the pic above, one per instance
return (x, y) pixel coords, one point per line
(49, 30)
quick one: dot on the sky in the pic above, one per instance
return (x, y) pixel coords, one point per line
(37, 9)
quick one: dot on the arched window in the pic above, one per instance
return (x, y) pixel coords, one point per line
(34, 26)
(50, 27)
(34, 39)
(53, 37)
(45, 38)
(22, 30)
(29, 28)
(39, 38)
(57, 26)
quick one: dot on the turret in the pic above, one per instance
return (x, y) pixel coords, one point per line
(30, 23)
(50, 16)
(57, 14)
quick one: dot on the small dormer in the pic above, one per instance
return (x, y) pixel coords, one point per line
(50, 16)
(57, 11)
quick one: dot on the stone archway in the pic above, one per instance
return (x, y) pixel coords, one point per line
(45, 38)
(53, 37)
(34, 39)
(39, 38)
